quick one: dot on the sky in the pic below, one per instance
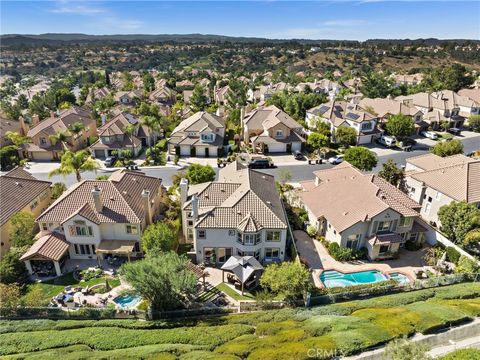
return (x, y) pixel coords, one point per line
(322, 19)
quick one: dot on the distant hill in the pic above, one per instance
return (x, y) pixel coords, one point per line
(60, 38)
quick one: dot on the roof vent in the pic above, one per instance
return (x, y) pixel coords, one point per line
(345, 213)
(207, 196)
(112, 198)
(17, 183)
(222, 190)
(269, 202)
(239, 212)
(264, 177)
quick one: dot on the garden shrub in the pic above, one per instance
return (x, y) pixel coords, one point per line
(453, 255)
(205, 355)
(463, 354)
(396, 321)
(345, 254)
(412, 245)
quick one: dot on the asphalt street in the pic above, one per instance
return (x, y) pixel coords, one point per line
(299, 172)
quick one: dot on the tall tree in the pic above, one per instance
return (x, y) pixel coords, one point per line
(158, 238)
(361, 158)
(198, 100)
(163, 280)
(197, 174)
(22, 227)
(75, 163)
(400, 126)
(148, 82)
(318, 141)
(376, 85)
(151, 123)
(447, 148)
(76, 128)
(60, 137)
(346, 136)
(390, 172)
(130, 130)
(457, 219)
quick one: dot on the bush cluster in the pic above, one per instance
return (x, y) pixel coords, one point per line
(346, 254)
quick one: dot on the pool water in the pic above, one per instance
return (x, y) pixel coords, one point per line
(127, 301)
(334, 278)
(402, 279)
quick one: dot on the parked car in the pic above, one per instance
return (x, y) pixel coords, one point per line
(454, 131)
(334, 160)
(259, 164)
(110, 161)
(298, 155)
(387, 141)
(429, 134)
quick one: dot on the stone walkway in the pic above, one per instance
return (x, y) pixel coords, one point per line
(319, 260)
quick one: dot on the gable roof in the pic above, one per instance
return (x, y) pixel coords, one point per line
(242, 198)
(198, 122)
(121, 198)
(383, 107)
(17, 189)
(456, 176)
(51, 247)
(340, 190)
(268, 117)
(62, 122)
(340, 111)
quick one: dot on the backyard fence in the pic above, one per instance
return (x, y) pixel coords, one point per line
(352, 293)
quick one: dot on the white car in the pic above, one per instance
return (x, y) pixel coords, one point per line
(429, 134)
(336, 159)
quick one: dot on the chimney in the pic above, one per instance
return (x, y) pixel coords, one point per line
(147, 206)
(52, 114)
(23, 126)
(183, 191)
(35, 119)
(194, 207)
(104, 119)
(97, 198)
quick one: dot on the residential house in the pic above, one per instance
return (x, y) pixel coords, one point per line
(384, 108)
(323, 86)
(272, 130)
(409, 79)
(221, 94)
(187, 94)
(97, 218)
(341, 113)
(128, 98)
(434, 181)
(8, 125)
(465, 105)
(163, 96)
(42, 148)
(199, 135)
(357, 210)
(240, 214)
(184, 84)
(265, 92)
(472, 94)
(112, 136)
(97, 94)
(20, 192)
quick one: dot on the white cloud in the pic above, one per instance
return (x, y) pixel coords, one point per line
(345, 22)
(66, 7)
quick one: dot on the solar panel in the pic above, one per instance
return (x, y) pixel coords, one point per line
(352, 116)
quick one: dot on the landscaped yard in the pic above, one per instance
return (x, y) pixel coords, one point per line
(234, 294)
(346, 328)
(46, 290)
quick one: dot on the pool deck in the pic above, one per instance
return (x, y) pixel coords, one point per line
(320, 260)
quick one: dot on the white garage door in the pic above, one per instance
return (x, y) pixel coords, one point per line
(365, 139)
(185, 150)
(99, 154)
(200, 151)
(274, 148)
(296, 146)
(213, 151)
(41, 156)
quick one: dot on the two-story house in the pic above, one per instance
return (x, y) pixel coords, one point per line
(265, 92)
(97, 94)
(341, 113)
(384, 108)
(128, 98)
(112, 136)
(199, 135)
(240, 214)
(434, 181)
(358, 210)
(163, 95)
(20, 192)
(271, 130)
(42, 148)
(97, 218)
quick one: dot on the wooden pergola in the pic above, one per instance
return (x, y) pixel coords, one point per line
(198, 271)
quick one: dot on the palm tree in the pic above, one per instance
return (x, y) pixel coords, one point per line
(129, 130)
(152, 124)
(76, 128)
(17, 139)
(75, 162)
(60, 136)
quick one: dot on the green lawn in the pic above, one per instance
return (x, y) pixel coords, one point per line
(234, 294)
(345, 328)
(443, 135)
(46, 290)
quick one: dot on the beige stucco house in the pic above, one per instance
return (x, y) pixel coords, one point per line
(358, 210)
(433, 181)
(20, 191)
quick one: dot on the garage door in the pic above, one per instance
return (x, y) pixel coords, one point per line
(213, 151)
(273, 148)
(296, 146)
(185, 150)
(41, 156)
(99, 154)
(365, 139)
(200, 151)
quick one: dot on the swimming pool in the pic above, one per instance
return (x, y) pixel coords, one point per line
(332, 278)
(127, 301)
(402, 279)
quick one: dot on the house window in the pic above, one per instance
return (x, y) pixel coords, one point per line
(231, 232)
(353, 240)
(405, 221)
(413, 237)
(273, 236)
(190, 234)
(255, 254)
(272, 253)
(279, 133)
(43, 141)
(366, 126)
(80, 229)
(438, 196)
(427, 207)
(224, 254)
(249, 239)
(132, 229)
(384, 249)
(201, 234)
(190, 222)
(33, 205)
(43, 195)
(383, 226)
(209, 255)
(44, 226)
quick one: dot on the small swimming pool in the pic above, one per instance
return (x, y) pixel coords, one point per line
(332, 278)
(401, 278)
(127, 301)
